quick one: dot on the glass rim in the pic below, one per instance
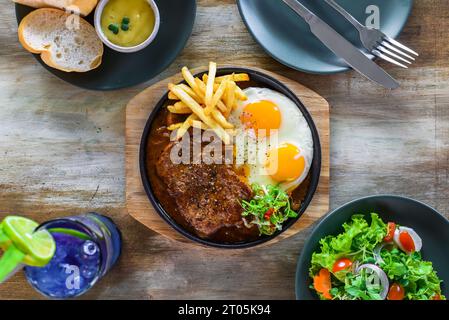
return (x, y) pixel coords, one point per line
(85, 228)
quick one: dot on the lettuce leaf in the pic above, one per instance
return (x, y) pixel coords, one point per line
(418, 277)
(357, 241)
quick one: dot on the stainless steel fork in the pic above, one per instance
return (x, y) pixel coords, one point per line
(378, 43)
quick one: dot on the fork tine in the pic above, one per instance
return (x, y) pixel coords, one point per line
(387, 58)
(391, 47)
(394, 55)
(400, 45)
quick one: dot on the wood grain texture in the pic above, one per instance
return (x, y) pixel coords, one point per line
(137, 113)
(62, 152)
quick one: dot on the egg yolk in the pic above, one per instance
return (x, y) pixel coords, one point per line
(261, 117)
(285, 163)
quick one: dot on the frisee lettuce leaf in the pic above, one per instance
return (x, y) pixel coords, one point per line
(270, 199)
(357, 242)
(418, 277)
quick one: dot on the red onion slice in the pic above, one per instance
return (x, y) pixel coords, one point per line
(384, 283)
(377, 251)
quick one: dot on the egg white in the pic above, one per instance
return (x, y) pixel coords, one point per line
(294, 130)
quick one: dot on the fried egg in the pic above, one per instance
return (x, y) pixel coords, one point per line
(273, 142)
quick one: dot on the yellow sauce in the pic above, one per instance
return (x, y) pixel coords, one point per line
(141, 21)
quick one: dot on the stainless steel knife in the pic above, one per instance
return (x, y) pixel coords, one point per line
(342, 47)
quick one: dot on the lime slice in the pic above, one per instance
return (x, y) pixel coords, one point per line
(38, 247)
(5, 242)
(70, 232)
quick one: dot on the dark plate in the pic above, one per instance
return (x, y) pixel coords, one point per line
(261, 80)
(121, 70)
(432, 227)
(287, 38)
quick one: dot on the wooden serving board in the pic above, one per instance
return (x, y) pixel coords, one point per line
(137, 113)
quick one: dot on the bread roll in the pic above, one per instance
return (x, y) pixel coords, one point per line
(83, 7)
(65, 41)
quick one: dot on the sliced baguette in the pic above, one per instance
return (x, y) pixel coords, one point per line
(44, 32)
(82, 7)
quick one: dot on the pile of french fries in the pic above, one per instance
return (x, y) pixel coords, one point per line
(208, 102)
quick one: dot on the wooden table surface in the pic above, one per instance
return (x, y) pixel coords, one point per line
(62, 152)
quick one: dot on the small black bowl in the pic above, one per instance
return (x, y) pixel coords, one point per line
(431, 226)
(262, 80)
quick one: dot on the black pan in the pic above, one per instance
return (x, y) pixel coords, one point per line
(261, 80)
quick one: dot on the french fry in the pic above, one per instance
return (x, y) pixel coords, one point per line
(218, 116)
(171, 96)
(236, 77)
(182, 106)
(210, 87)
(199, 111)
(182, 130)
(239, 77)
(188, 77)
(230, 97)
(179, 108)
(216, 97)
(219, 93)
(202, 87)
(200, 125)
(190, 92)
(208, 101)
(175, 126)
(239, 92)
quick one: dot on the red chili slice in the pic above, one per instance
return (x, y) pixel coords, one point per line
(268, 214)
(391, 228)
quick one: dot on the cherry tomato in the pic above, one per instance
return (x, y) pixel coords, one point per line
(391, 228)
(396, 292)
(322, 283)
(268, 214)
(341, 264)
(407, 241)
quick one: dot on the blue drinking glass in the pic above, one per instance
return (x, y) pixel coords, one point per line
(87, 247)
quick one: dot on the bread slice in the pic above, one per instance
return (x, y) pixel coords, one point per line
(82, 7)
(54, 35)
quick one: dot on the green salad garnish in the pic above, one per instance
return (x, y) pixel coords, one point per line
(417, 276)
(368, 261)
(268, 209)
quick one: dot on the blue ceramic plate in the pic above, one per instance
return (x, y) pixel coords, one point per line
(121, 70)
(287, 38)
(431, 226)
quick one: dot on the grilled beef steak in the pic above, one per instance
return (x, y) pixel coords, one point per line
(207, 196)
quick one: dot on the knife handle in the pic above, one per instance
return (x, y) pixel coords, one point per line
(300, 9)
